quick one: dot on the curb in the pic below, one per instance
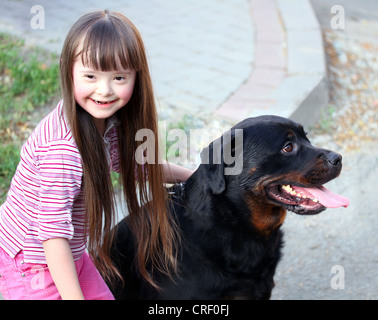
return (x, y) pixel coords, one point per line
(289, 75)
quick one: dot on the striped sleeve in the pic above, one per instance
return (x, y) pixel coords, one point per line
(60, 183)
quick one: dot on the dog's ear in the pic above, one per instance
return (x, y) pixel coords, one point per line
(224, 156)
(211, 158)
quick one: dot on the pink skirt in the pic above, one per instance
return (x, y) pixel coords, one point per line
(30, 281)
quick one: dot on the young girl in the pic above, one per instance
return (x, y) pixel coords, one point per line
(62, 195)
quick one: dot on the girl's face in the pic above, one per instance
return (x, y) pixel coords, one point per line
(102, 93)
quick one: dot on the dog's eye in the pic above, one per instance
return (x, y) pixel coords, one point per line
(288, 148)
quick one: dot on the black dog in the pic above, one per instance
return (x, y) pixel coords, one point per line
(231, 223)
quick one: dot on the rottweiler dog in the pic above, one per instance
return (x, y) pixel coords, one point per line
(230, 223)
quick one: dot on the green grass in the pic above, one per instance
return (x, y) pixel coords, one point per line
(28, 80)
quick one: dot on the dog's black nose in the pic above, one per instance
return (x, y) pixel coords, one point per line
(331, 158)
(334, 158)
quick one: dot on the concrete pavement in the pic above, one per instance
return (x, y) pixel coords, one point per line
(217, 60)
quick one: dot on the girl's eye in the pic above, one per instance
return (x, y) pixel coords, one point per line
(90, 77)
(288, 148)
(120, 78)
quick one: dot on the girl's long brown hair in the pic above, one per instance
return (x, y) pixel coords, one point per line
(109, 41)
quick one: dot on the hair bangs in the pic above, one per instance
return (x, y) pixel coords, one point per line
(108, 47)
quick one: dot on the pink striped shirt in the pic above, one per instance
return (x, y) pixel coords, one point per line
(45, 199)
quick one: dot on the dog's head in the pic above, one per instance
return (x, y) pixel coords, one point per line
(275, 167)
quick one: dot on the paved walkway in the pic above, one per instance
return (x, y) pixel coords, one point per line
(216, 60)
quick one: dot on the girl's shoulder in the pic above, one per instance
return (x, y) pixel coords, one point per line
(51, 136)
(53, 128)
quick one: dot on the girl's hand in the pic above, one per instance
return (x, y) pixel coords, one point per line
(174, 173)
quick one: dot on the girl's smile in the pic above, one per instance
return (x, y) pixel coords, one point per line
(103, 103)
(102, 93)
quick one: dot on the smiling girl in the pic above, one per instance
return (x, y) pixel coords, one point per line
(61, 199)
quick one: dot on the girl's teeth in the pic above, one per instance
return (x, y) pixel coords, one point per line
(101, 102)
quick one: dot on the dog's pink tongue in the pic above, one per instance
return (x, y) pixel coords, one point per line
(326, 197)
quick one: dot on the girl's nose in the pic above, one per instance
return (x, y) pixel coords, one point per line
(104, 88)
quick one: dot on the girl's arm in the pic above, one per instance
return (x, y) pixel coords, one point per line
(174, 173)
(62, 268)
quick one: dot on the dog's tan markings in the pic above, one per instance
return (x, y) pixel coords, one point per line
(290, 135)
(265, 217)
(294, 177)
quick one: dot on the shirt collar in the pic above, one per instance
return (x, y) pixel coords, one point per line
(111, 123)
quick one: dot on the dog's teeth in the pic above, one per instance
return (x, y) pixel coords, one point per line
(292, 192)
(287, 188)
